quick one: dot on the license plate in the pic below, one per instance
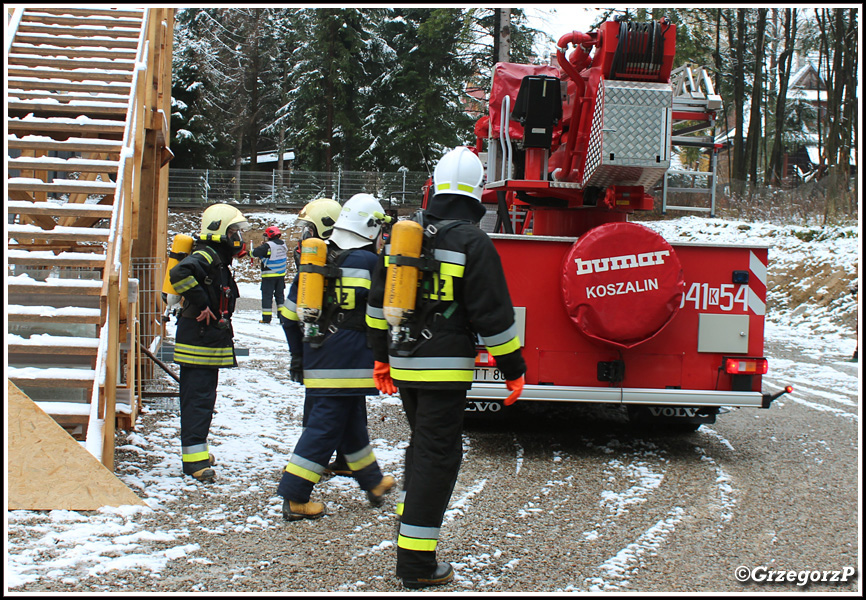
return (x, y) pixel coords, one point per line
(488, 374)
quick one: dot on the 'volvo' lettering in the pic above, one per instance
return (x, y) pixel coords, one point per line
(615, 263)
(673, 411)
(476, 406)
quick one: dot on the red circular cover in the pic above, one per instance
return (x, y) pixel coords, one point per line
(622, 283)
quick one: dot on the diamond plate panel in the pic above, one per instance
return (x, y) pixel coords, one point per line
(593, 150)
(634, 134)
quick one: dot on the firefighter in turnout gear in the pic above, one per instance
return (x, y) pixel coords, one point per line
(461, 292)
(204, 339)
(274, 255)
(316, 220)
(338, 366)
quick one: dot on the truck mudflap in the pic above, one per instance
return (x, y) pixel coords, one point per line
(492, 392)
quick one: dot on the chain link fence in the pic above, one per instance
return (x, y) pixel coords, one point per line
(201, 187)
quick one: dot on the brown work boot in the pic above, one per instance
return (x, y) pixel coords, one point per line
(206, 475)
(211, 459)
(294, 511)
(376, 496)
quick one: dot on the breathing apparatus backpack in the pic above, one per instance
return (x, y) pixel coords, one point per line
(318, 306)
(409, 280)
(181, 246)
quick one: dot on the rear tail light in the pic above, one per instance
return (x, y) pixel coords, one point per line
(484, 359)
(746, 366)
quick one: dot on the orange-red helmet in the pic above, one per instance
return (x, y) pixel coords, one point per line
(273, 231)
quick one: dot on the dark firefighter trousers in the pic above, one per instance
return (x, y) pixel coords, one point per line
(332, 423)
(432, 463)
(198, 392)
(272, 287)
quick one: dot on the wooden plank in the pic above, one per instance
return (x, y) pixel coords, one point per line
(66, 97)
(55, 209)
(51, 377)
(56, 85)
(70, 165)
(54, 285)
(36, 125)
(48, 470)
(72, 21)
(19, 60)
(66, 40)
(83, 75)
(58, 345)
(53, 108)
(123, 53)
(72, 186)
(49, 314)
(83, 32)
(84, 260)
(69, 145)
(125, 13)
(66, 234)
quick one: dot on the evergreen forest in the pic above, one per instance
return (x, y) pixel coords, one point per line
(376, 89)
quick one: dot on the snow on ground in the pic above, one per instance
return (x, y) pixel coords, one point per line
(248, 428)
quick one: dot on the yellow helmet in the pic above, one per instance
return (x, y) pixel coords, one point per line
(321, 214)
(216, 222)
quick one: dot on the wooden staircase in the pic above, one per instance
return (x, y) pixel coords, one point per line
(88, 108)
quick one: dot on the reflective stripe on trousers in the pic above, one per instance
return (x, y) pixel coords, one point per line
(360, 459)
(423, 539)
(195, 453)
(305, 469)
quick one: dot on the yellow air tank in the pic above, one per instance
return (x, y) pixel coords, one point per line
(401, 281)
(181, 246)
(311, 285)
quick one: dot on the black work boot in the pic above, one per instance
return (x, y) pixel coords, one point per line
(338, 467)
(443, 574)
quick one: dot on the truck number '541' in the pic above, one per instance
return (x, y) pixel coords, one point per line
(726, 297)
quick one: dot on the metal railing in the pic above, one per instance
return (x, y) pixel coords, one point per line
(201, 187)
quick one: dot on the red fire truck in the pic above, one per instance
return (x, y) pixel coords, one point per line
(608, 310)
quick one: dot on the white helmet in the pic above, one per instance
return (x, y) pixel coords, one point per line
(460, 171)
(359, 222)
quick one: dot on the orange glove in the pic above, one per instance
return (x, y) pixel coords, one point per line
(515, 386)
(382, 378)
